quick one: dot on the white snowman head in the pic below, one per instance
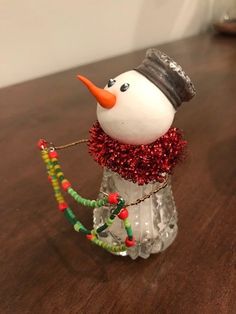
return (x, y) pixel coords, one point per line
(138, 106)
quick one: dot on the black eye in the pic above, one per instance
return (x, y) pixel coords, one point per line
(124, 87)
(111, 82)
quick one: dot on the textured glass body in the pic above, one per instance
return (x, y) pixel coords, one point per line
(154, 221)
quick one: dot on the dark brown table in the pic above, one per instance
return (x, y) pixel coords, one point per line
(46, 267)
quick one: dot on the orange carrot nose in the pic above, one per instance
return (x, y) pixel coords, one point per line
(104, 98)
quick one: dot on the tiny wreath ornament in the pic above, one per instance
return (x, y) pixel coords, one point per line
(135, 213)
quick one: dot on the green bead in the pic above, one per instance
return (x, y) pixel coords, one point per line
(77, 226)
(100, 203)
(94, 232)
(116, 211)
(116, 248)
(84, 230)
(109, 221)
(93, 203)
(70, 212)
(87, 203)
(102, 228)
(70, 190)
(77, 199)
(78, 196)
(96, 241)
(127, 223)
(75, 194)
(70, 216)
(129, 232)
(121, 203)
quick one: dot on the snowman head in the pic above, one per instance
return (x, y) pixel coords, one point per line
(138, 106)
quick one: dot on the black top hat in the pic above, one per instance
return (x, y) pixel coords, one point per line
(167, 75)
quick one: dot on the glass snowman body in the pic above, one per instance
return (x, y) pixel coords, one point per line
(154, 221)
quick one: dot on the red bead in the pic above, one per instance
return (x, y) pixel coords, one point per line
(53, 154)
(129, 242)
(50, 179)
(113, 198)
(42, 144)
(123, 214)
(89, 236)
(62, 206)
(66, 185)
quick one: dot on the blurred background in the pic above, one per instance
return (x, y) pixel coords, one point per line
(43, 37)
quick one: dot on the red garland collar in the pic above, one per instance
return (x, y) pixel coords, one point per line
(141, 164)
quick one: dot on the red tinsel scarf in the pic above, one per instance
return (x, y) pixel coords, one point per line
(141, 164)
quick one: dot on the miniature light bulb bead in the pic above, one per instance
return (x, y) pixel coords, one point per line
(123, 214)
(129, 243)
(62, 206)
(53, 154)
(65, 184)
(113, 198)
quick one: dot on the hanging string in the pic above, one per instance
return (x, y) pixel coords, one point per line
(70, 144)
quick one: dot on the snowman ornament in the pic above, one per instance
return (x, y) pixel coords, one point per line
(134, 142)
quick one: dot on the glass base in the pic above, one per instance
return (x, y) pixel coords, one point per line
(154, 221)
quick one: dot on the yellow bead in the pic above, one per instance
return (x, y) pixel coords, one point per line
(60, 200)
(58, 196)
(58, 193)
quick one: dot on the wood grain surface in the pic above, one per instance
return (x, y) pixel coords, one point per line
(46, 267)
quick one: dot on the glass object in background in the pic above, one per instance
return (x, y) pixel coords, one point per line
(224, 16)
(154, 221)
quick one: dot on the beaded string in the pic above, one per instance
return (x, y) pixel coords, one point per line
(59, 183)
(136, 202)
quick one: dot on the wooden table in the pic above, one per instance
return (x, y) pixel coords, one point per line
(46, 267)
